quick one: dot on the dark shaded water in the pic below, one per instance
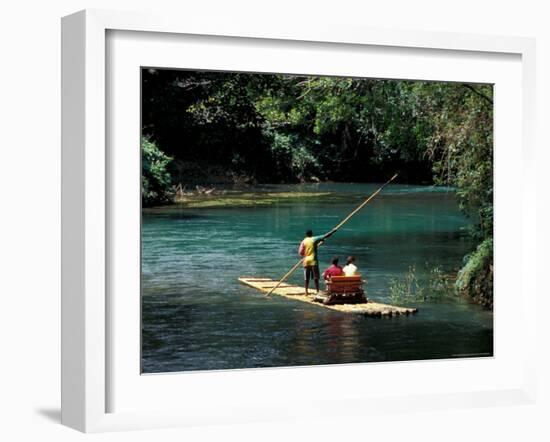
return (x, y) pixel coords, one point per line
(196, 315)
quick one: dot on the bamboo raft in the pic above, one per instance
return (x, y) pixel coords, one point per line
(370, 308)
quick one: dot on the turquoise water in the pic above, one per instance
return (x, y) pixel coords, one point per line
(196, 315)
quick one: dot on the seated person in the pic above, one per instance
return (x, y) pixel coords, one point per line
(333, 270)
(350, 269)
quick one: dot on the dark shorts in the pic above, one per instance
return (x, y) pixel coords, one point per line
(310, 271)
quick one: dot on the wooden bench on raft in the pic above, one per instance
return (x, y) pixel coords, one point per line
(343, 290)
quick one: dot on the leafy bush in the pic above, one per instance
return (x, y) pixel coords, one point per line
(292, 155)
(476, 277)
(155, 178)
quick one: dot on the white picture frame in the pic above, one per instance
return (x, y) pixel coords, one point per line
(86, 208)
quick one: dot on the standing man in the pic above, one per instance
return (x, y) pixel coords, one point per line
(308, 249)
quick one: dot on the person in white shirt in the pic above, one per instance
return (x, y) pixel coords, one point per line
(350, 269)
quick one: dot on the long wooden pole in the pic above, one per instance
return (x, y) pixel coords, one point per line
(344, 221)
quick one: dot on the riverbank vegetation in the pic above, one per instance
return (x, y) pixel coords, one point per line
(206, 129)
(437, 286)
(226, 198)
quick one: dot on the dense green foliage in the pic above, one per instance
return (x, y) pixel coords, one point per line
(155, 178)
(275, 128)
(476, 277)
(245, 128)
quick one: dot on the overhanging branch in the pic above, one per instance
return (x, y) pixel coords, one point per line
(480, 94)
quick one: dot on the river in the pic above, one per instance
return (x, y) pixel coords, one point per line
(196, 315)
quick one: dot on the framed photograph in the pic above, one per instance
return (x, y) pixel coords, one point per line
(260, 220)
